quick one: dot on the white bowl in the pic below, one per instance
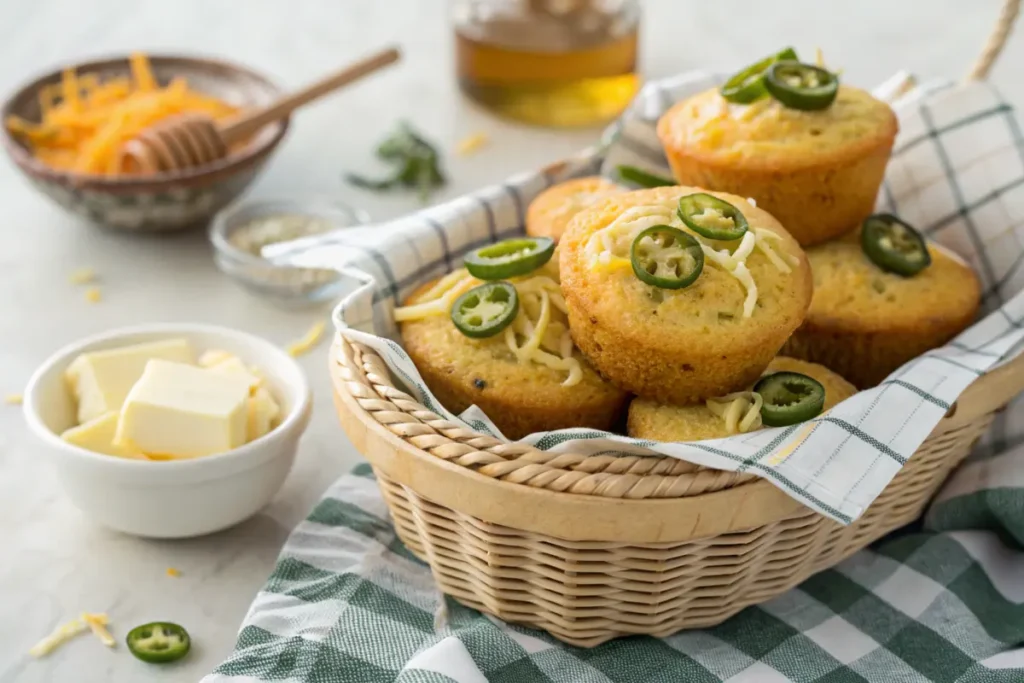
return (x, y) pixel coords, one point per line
(181, 498)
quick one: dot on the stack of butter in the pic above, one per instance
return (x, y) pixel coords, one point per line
(152, 401)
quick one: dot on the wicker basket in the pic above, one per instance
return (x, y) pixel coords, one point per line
(593, 547)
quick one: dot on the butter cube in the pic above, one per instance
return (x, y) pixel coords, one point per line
(182, 411)
(263, 414)
(235, 366)
(100, 380)
(208, 359)
(97, 435)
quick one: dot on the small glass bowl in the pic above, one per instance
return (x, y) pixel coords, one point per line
(283, 284)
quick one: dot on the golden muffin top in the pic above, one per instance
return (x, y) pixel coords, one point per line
(538, 338)
(748, 287)
(852, 293)
(767, 133)
(661, 422)
(550, 211)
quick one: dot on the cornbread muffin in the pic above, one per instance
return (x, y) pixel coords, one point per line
(818, 172)
(864, 322)
(550, 211)
(684, 345)
(660, 422)
(520, 398)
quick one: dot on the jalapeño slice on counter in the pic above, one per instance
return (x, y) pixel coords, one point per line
(486, 310)
(638, 176)
(801, 86)
(712, 217)
(666, 257)
(893, 245)
(747, 85)
(158, 642)
(789, 398)
(509, 258)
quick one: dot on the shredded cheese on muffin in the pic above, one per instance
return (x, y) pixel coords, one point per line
(608, 248)
(741, 411)
(542, 322)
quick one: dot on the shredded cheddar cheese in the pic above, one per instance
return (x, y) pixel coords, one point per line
(58, 637)
(608, 248)
(97, 623)
(14, 399)
(173, 573)
(741, 411)
(540, 332)
(85, 121)
(93, 295)
(309, 341)
(472, 144)
(82, 276)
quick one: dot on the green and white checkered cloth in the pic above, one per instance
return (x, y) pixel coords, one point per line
(957, 173)
(347, 602)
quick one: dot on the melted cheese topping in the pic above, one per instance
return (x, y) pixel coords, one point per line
(608, 248)
(740, 411)
(540, 332)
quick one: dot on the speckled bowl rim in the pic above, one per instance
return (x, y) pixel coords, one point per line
(252, 153)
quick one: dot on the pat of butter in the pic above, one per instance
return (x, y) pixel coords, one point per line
(234, 366)
(182, 411)
(263, 414)
(97, 435)
(100, 380)
(213, 357)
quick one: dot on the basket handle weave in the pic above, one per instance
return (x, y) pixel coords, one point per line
(996, 41)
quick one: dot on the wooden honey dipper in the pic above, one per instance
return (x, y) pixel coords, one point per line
(190, 140)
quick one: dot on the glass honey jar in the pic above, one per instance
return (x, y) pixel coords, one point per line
(548, 62)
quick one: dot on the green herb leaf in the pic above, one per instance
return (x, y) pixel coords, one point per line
(638, 176)
(416, 161)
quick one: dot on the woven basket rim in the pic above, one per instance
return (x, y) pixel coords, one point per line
(521, 487)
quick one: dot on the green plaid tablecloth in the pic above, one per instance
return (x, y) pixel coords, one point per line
(347, 602)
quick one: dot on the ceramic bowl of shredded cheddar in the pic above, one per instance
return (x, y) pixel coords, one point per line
(65, 131)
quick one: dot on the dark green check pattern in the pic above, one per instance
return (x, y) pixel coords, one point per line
(347, 602)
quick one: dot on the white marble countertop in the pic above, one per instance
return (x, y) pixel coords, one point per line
(53, 562)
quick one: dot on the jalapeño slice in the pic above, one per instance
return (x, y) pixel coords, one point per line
(894, 246)
(801, 86)
(509, 258)
(158, 642)
(666, 257)
(747, 85)
(712, 217)
(789, 398)
(486, 310)
(638, 176)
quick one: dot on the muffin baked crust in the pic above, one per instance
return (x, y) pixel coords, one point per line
(550, 212)
(683, 345)
(864, 322)
(520, 398)
(818, 172)
(662, 422)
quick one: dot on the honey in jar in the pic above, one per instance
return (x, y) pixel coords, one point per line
(549, 62)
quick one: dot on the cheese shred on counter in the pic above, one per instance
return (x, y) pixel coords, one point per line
(740, 411)
(96, 622)
(608, 248)
(539, 333)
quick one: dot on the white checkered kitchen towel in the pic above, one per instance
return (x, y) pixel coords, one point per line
(957, 173)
